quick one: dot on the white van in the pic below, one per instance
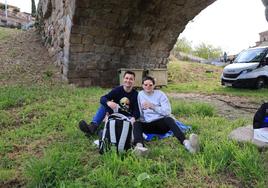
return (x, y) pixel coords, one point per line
(250, 69)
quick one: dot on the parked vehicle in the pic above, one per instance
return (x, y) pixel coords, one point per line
(249, 69)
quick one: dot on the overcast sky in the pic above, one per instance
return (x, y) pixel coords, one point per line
(24, 5)
(233, 25)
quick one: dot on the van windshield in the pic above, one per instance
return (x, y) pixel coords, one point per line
(250, 55)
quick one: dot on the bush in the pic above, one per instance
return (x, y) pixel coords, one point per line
(207, 51)
(183, 45)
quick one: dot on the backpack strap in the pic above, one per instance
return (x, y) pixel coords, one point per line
(112, 131)
(102, 140)
(124, 134)
(118, 116)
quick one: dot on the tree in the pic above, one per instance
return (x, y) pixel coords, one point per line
(33, 8)
(183, 45)
(207, 51)
(2, 6)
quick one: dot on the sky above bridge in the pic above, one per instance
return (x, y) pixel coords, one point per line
(233, 25)
(24, 5)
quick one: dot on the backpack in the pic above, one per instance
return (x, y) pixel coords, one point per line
(261, 117)
(117, 133)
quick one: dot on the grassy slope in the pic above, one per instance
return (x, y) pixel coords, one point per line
(40, 144)
(193, 77)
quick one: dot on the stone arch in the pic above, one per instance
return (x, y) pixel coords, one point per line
(99, 37)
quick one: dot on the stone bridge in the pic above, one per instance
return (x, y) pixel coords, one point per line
(91, 39)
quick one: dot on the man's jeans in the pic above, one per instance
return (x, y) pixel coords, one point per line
(100, 114)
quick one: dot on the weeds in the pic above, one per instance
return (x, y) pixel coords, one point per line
(48, 74)
(188, 109)
(51, 151)
(41, 145)
(5, 33)
(56, 166)
(248, 166)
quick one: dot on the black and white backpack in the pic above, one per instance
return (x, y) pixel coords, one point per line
(117, 133)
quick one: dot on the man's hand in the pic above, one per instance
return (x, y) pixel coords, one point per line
(112, 105)
(147, 105)
(132, 120)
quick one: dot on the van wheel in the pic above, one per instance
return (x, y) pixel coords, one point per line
(260, 83)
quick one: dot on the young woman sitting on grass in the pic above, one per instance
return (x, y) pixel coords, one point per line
(155, 111)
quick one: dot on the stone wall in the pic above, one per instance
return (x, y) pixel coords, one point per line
(92, 39)
(54, 21)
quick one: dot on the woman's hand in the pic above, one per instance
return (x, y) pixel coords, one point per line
(147, 105)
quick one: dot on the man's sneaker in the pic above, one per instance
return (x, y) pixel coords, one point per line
(93, 127)
(140, 150)
(192, 145)
(88, 129)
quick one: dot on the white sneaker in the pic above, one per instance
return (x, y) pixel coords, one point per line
(192, 145)
(195, 142)
(140, 150)
(96, 142)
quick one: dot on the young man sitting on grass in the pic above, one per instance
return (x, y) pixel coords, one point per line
(122, 99)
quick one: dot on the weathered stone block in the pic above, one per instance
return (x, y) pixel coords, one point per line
(99, 41)
(95, 31)
(99, 48)
(83, 4)
(82, 57)
(109, 41)
(74, 48)
(76, 39)
(87, 39)
(80, 82)
(89, 48)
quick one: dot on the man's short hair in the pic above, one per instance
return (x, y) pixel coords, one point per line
(129, 72)
(148, 78)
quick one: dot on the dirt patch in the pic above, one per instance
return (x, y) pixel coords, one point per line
(35, 147)
(24, 60)
(12, 183)
(231, 107)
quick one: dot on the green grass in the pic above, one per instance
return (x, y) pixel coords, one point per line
(5, 33)
(41, 145)
(189, 77)
(183, 108)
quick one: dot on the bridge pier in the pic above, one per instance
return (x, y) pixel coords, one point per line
(92, 40)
